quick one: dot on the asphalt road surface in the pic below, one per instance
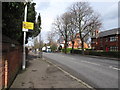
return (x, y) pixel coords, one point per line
(99, 73)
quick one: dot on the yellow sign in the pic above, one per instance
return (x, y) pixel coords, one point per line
(28, 25)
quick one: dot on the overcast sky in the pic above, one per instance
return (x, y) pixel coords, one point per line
(50, 9)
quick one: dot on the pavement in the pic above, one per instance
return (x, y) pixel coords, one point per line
(40, 73)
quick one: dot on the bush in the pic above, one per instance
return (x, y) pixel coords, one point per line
(76, 51)
(89, 49)
(68, 50)
(53, 47)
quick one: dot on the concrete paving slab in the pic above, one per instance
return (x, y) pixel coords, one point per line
(41, 74)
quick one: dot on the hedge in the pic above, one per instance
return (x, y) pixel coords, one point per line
(108, 54)
(68, 50)
(76, 51)
(98, 53)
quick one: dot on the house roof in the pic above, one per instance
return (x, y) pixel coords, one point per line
(108, 32)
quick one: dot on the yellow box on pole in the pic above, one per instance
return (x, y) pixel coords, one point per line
(28, 25)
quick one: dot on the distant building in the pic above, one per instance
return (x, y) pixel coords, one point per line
(107, 40)
(77, 42)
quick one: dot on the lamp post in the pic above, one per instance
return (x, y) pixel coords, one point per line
(25, 30)
(39, 27)
(40, 51)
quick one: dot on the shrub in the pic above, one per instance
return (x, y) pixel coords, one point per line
(76, 51)
(68, 50)
(53, 47)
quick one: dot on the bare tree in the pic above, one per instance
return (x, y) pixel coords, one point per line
(36, 44)
(86, 21)
(61, 25)
(72, 29)
(50, 37)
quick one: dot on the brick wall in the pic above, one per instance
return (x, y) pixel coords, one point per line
(11, 61)
(119, 42)
(0, 67)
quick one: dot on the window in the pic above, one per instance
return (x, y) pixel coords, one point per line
(106, 39)
(101, 42)
(113, 48)
(112, 39)
(93, 41)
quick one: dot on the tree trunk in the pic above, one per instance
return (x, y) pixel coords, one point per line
(82, 47)
(65, 50)
(73, 46)
(66, 41)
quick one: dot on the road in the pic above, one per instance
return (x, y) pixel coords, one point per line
(99, 73)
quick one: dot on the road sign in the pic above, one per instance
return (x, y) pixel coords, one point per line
(28, 25)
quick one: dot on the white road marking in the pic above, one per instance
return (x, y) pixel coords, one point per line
(114, 68)
(91, 63)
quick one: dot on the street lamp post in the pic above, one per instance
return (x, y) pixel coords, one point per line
(39, 28)
(40, 51)
(25, 30)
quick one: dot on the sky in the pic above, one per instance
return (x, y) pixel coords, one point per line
(50, 9)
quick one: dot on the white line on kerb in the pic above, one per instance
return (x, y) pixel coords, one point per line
(91, 63)
(114, 68)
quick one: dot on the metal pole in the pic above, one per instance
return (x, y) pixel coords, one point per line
(40, 46)
(24, 54)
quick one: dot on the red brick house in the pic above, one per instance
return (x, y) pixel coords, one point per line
(77, 43)
(107, 40)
